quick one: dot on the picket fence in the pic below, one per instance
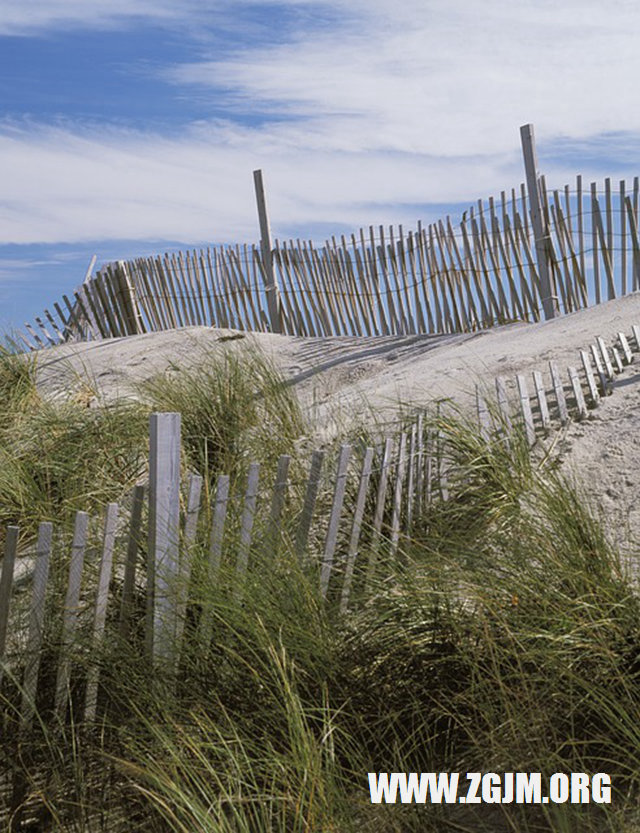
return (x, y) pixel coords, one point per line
(531, 253)
(365, 500)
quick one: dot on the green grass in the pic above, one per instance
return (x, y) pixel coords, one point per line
(505, 636)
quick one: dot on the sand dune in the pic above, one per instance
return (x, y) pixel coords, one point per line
(335, 377)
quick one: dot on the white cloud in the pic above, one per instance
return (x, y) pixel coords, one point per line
(395, 107)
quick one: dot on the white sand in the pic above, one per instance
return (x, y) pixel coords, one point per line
(334, 377)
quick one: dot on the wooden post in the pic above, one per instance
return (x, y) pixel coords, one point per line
(70, 613)
(100, 612)
(6, 584)
(334, 519)
(36, 623)
(273, 300)
(540, 230)
(164, 530)
(133, 546)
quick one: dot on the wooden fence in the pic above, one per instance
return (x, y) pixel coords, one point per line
(366, 500)
(532, 252)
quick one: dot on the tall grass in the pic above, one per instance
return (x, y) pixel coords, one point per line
(503, 637)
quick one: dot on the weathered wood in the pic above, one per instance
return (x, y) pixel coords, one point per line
(334, 518)
(591, 382)
(626, 350)
(549, 301)
(602, 376)
(581, 405)
(100, 614)
(133, 547)
(559, 393)
(411, 465)
(380, 504)
(525, 407)
(541, 395)
(6, 585)
(308, 506)
(35, 633)
(277, 502)
(205, 625)
(186, 555)
(397, 495)
(443, 475)
(246, 526)
(633, 229)
(216, 536)
(273, 301)
(617, 362)
(635, 329)
(605, 357)
(164, 533)
(71, 610)
(356, 528)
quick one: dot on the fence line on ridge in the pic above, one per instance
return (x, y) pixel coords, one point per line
(384, 281)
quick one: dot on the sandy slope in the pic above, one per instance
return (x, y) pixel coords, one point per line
(335, 376)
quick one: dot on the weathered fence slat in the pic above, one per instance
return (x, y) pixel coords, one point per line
(133, 547)
(558, 389)
(380, 504)
(71, 610)
(6, 584)
(246, 525)
(591, 382)
(311, 494)
(541, 395)
(36, 623)
(278, 500)
(100, 613)
(358, 515)
(164, 533)
(525, 407)
(397, 495)
(334, 518)
(216, 538)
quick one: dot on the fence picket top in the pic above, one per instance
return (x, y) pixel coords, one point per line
(334, 518)
(36, 622)
(525, 406)
(558, 388)
(311, 493)
(133, 547)
(6, 584)
(397, 496)
(604, 382)
(577, 392)
(100, 613)
(541, 396)
(591, 382)
(356, 528)
(71, 606)
(626, 350)
(617, 360)
(604, 352)
(246, 524)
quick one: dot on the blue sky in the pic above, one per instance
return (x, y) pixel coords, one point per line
(128, 127)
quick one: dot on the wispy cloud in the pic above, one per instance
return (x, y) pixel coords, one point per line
(361, 112)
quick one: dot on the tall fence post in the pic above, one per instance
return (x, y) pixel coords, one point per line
(164, 530)
(266, 249)
(540, 230)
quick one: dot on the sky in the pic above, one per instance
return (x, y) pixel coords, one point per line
(132, 127)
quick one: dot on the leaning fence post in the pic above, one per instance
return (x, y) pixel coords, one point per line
(540, 230)
(266, 250)
(164, 530)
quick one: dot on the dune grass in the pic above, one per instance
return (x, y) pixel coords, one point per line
(504, 636)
